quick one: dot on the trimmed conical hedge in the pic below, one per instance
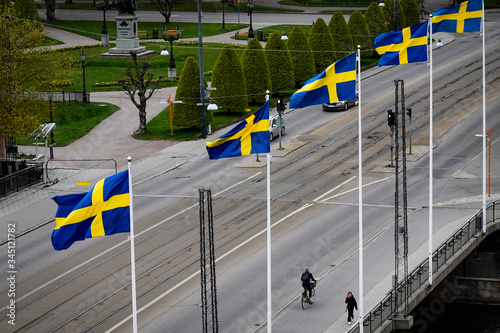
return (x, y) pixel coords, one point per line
(302, 57)
(341, 35)
(26, 9)
(228, 78)
(188, 114)
(389, 15)
(360, 33)
(280, 63)
(256, 71)
(322, 46)
(375, 19)
(411, 11)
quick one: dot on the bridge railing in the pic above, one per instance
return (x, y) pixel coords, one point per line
(418, 278)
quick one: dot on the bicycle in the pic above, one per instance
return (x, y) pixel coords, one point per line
(306, 300)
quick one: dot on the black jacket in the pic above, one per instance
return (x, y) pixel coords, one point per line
(306, 281)
(351, 302)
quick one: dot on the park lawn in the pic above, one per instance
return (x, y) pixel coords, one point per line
(93, 29)
(73, 120)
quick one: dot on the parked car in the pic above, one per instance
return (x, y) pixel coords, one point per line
(274, 128)
(340, 105)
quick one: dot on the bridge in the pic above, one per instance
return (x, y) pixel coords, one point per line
(445, 259)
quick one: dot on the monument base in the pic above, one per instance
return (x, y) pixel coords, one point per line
(127, 41)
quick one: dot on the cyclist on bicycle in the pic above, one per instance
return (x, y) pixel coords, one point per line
(307, 278)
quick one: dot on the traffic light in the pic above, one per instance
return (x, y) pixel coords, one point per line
(391, 121)
(281, 105)
(408, 112)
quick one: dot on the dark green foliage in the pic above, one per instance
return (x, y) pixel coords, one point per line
(375, 19)
(302, 58)
(360, 33)
(4, 4)
(228, 78)
(341, 35)
(280, 63)
(188, 114)
(389, 15)
(411, 11)
(322, 46)
(256, 71)
(26, 9)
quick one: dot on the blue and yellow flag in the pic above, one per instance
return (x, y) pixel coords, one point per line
(103, 211)
(251, 136)
(336, 83)
(464, 17)
(403, 46)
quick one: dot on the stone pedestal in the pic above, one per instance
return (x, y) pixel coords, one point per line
(402, 323)
(127, 40)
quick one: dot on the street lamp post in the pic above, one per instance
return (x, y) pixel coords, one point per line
(108, 4)
(223, 18)
(250, 10)
(172, 70)
(51, 147)
(83, 56)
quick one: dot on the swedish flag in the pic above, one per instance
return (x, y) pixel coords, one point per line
(464, 17)
(403, 46)
(103, 211)
(336, 83)
(251, 136)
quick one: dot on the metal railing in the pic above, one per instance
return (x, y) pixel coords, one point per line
(419, 276)
(21, 179)
(68, 96)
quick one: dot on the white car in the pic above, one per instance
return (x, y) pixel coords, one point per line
(274, 128)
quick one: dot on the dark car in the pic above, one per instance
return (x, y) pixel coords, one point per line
(340, 105)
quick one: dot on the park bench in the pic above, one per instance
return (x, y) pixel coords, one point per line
(174, 33)
(241, 33)
(268, 36)
(142, 33)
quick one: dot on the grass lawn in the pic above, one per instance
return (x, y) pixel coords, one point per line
(190, 6)
(74, 120)
(92, 29)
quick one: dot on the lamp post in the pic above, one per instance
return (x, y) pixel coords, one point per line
(83, 56)
(51, 147)
(250, 10)
(172, 71)
(108, 4)
(223, 18)
(284, 37)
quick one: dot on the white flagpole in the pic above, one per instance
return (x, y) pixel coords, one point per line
(269, 307)
(360, 199)
(431, 144)
(132, 248)
(484, 122)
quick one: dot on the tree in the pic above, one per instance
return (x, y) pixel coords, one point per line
(165, 7)
(360, 33)
(4, 4)
(188, 114)
(322, 46)
(280, 63)
(389, 15)
(228, 78)
(375, 19)
(26, 9)
(256, 71)
(26, 65)
(302, 57)
(138, 82)
(50, 10)
(341, 35)
(411, 12)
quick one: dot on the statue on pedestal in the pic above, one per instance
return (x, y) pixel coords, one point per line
(127, 7)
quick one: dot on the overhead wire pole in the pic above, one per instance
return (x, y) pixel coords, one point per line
(202, 81)
(484, 122)
(360, 199)
(430, 158)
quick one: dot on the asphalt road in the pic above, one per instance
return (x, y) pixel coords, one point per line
(314, 212)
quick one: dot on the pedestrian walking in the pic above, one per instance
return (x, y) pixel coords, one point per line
(351, 304)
